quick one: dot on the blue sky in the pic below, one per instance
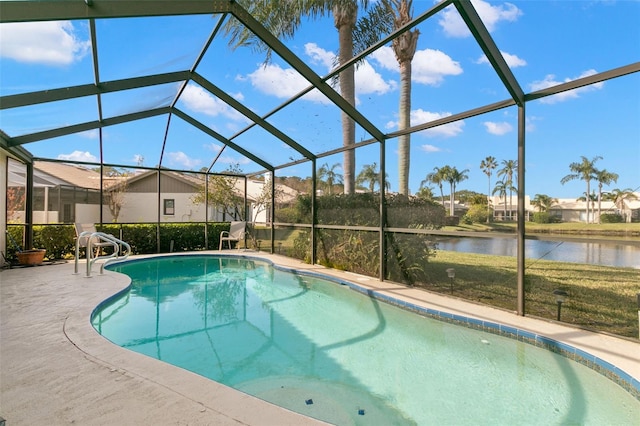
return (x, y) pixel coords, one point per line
(544, 42)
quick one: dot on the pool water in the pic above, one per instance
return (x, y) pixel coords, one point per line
(321, 349)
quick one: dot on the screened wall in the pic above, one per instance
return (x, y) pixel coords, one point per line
(166, 121)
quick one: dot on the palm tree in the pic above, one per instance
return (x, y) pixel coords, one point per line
(585, 171)
(618, 196)
(437, 177)
(509, 167)
(543, 202)
(371, 176)
(283, 18)
(329, 176)
(404, 48)
(487, 165)
(604, 177)
(501, 188)
(454, 177)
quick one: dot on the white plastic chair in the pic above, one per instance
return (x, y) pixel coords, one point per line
(83, 234)
(237, 232)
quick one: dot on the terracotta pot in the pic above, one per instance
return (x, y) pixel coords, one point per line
(31, 257)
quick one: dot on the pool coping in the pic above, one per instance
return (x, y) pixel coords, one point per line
(45, 324)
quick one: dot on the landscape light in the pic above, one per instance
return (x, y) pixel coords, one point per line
(561, 296)
(451, 273)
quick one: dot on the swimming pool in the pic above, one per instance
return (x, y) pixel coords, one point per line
(321, 349)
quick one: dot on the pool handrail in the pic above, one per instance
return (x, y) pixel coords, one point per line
(99, 239)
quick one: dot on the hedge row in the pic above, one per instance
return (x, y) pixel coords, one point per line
(59, 240)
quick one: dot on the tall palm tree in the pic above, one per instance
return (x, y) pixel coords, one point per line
(501, 189)
(404, 48)
(584, 170)
(543, 202)
(454, 177)
(487, 165)
(283, 18)
(589, 199)
(508, 169)
(604, 177)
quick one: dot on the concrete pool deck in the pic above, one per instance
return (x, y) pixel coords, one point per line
(56, 369)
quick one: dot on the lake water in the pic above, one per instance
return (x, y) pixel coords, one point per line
(609, 254)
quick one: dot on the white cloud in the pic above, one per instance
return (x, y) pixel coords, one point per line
(79, 156)
(429, 148)
(319, 56)
(273, 80)
(428, 66)
(283, 83)
(199, 100)
(491, 15)
(50, 43)
(179, 158)
(498, 129)
(214, 147)
(369, 81)
(386, 58)
(419, 116)
(550, 81)
(512, 60)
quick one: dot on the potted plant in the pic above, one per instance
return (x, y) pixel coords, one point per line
(31, 257)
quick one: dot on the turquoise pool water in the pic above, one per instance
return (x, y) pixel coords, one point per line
(326, 351)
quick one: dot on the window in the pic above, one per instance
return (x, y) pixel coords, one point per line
(169, 207)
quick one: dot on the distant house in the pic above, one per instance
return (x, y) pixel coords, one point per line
(139, 199)
(571, 210)
(630, 209)
(65, 193)
(503, 209)
(62, 193)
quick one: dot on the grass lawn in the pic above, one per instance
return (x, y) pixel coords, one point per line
(570, 228)
(599, 297)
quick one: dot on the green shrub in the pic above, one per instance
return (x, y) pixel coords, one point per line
(58, 240)
(477, 213)
(611, 218)
(542, 217)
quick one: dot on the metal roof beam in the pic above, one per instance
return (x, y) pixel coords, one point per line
(83, 127)
(585, 81)
(195, 123)
(488, 46)
(453, 118)
(58, 10)
(25, 99)
(14, 151)
(225, 97)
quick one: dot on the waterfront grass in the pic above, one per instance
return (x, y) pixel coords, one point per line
(602, 298)
(565, 228)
